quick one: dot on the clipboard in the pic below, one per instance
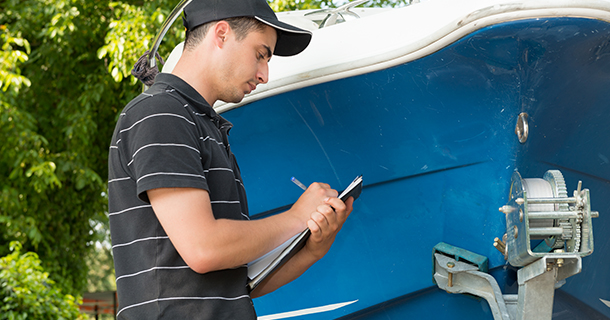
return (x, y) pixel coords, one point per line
(262, 267)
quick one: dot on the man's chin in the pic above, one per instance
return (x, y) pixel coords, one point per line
(234, 99)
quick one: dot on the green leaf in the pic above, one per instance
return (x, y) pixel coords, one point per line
(102, 52)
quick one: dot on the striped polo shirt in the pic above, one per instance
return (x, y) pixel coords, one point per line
(169, 137)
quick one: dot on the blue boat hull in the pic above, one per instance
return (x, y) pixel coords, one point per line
(434, 139)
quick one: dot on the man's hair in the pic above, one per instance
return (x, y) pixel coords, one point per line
(240, 25)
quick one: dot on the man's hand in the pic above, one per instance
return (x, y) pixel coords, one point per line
(325, 223)
(314, 196)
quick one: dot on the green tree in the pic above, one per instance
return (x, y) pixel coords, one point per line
(100, 263)
(64, 76)
(58, 109)
(27, 292)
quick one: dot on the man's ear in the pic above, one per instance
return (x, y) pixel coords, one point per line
(220, 32)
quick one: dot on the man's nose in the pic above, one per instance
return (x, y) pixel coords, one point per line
(263, 73)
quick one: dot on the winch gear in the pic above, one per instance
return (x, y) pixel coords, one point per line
(560, 190)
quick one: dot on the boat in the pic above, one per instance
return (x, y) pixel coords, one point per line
(480, 128)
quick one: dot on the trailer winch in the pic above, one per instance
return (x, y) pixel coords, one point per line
(547, 234)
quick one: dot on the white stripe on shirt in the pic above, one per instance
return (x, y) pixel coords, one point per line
(211, 139)
(119, 179)
(222, 201)
(149, 270)
(157, 115)
(182, 298)
(129, 209)
(171, 174)
(138, 240)
(161, 145)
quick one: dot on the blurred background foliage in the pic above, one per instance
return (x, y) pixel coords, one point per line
(34, 296)
(64, 77)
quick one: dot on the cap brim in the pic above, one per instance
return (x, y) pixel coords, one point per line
(291, 40)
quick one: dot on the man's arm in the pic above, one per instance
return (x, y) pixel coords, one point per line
(324, 225)
(208, 244)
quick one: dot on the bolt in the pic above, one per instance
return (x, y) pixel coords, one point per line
(559, 260)
(549, 266)
(450, 275)
(506, 209)
(500, 245)
(519, 201)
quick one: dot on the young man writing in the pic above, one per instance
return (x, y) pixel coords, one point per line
(178, 214)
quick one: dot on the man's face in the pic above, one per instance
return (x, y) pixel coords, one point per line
(246, 64)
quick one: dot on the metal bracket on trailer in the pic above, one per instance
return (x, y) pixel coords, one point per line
(537, 283)
(456, 276)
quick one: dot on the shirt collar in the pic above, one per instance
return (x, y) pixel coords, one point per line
(193, 97)
(189, 93)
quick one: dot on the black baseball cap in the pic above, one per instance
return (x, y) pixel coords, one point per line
(290, 39)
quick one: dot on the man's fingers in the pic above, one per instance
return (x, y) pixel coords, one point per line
(324, 189)
(321, 218)
(339, 208)
(316, 234)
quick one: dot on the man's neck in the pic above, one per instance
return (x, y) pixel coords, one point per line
(190, 69)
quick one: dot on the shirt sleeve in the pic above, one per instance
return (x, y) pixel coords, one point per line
(160, 146)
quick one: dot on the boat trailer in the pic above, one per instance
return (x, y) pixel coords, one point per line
(547, 234)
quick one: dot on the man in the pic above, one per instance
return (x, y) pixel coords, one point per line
(178, 215)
